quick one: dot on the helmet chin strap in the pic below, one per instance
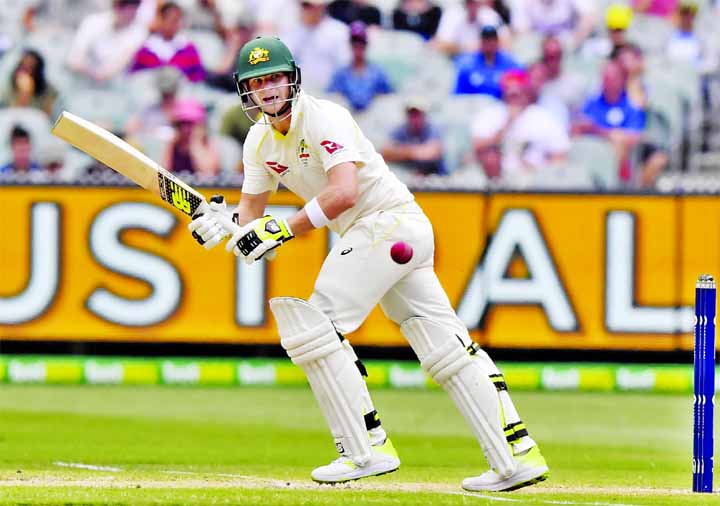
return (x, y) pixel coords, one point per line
(284, 109)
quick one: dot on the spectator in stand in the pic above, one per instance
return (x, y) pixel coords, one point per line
(106, 42)
(569, 88)
(156, 120)
(503, 10)
(28, 87)
(545, 98)
(360, 81)
(236, 123)
(274, 17)
(349, 11)
(16, 14)
(191, 151)
(417, 144)
(419, 16)
(660, 8)
(480, 72)
(235, 33)
(570, 20)
(630, 58)
(518, 137)
(166, 46)
(319, 44)
(618, 18)
(460, 27)
(21, 149)
(686, 45)
(612, 115)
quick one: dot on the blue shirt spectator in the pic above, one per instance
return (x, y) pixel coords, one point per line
(360, 81)
(481, 72)
(416, 144)
(618, 114)
(360, 85)
(11, 168)
(21, 149)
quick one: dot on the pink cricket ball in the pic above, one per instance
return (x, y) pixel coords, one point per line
(401, 252)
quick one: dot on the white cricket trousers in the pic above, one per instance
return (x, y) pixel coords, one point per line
(360, 273)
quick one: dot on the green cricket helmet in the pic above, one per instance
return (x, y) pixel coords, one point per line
(260, 57)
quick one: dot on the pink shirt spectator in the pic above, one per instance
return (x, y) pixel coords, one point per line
(662, 8)
(167, 46)
(178, 52)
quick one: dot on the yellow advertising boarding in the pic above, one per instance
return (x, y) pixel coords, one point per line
(562, 271)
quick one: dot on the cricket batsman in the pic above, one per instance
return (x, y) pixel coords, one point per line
(316, 150)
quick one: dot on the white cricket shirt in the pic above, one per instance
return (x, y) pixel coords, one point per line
(322, 135)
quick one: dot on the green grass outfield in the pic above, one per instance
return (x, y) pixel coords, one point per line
(257, 445)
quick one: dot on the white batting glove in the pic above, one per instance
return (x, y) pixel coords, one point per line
(212, 223)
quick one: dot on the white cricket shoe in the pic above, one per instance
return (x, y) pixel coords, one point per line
(531, 469)
(384, 460)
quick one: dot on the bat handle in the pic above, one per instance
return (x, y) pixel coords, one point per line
(231, 227)
(228, 224)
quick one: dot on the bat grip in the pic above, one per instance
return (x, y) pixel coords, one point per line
(231, 227)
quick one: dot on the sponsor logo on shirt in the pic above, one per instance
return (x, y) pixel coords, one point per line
(331, 146)
(276, 167)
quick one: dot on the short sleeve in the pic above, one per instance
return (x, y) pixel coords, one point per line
(635, 119)
(553, 134)
(257, 179)
(382, 83)
(77, 54)
(336, 137)
(489, 122)
(585, 7)
(449, 25)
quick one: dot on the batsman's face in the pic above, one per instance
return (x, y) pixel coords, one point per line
(270, 92)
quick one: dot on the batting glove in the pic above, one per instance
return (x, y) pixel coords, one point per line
(212, 223)
(259, 237)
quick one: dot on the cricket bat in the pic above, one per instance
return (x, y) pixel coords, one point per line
(128, 161)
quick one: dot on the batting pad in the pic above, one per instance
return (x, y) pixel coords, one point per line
(444, 358)
(309, 338)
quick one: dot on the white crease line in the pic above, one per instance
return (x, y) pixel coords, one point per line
(222, 475)
(271, 482)
(91, 467)
(538, 501)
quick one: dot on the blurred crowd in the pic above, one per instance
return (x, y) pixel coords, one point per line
(517, 93)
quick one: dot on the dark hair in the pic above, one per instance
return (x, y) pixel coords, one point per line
(634, 48)
(38, 73)
(18, 132)
(167, 7)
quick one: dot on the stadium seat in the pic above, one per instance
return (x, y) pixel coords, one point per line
(526, 47)
(141, 86)
(230, 154)
(210, 46)
(455, 119)
(35, 121)
(651, 33)
(665, 100)
(400, 53)
(108, 108)
(221, 107)
(597, 158)
(435, 78)
(386, 113)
